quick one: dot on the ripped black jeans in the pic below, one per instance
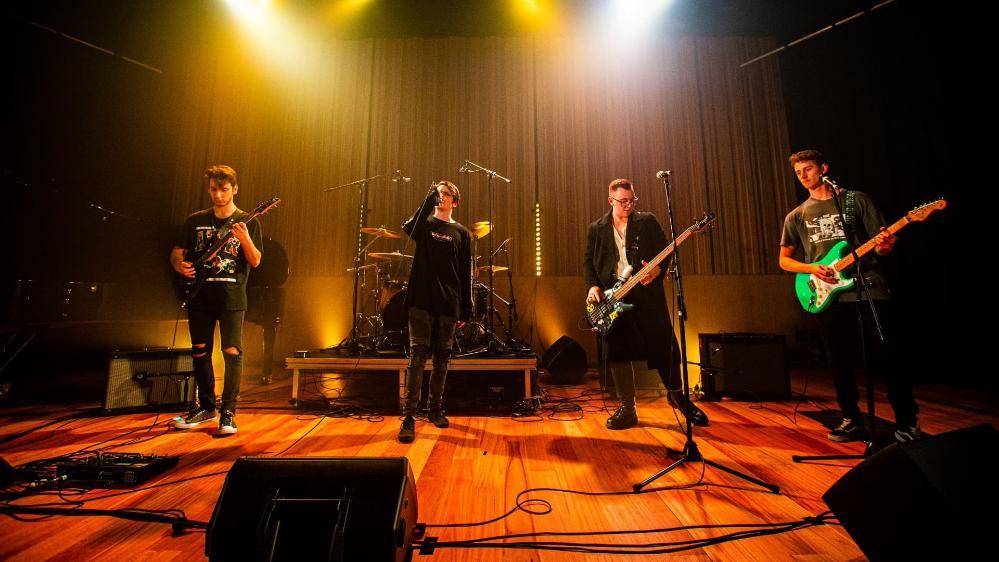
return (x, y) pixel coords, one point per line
(202, 327)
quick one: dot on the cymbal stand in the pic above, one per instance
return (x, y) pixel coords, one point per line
(470, 167)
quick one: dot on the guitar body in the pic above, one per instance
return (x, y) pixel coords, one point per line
(602, 315)
(814, 294)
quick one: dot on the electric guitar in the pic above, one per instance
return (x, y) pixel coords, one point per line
(815, 295)
(189, 288)
(601, 315)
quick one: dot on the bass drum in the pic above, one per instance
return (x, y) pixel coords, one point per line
(395, 323)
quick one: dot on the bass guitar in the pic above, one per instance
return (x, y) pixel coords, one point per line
(601, 315)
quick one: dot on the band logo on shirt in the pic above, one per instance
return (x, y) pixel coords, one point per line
(826, 227)
(441, 236)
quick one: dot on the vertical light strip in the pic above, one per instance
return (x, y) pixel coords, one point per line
(537, 239)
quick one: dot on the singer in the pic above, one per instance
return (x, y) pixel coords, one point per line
(623, 240)
(815, 226)
(439, 299)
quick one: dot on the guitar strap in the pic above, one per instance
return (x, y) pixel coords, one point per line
(850, 210)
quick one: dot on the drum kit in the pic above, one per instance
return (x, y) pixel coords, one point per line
(382, 324)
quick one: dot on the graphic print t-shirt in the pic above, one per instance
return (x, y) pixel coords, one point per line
(227, 272)
(815, 227)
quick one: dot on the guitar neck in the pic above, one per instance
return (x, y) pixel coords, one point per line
(221, 240)
(636, 278)
(866, 247)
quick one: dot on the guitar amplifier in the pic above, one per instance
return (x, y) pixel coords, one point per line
(149, 379)
(744, 366)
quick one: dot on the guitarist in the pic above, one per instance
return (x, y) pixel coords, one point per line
(625, 238)
(815, 227)
(221, 298)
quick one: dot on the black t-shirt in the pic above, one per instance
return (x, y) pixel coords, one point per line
(815, 226)
(441, 279)
(227, 272)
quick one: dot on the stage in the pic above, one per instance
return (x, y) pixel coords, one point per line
(474, 471)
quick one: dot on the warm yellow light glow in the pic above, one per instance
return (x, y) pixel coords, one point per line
(285, 47)
(535, 15)
(342, 11)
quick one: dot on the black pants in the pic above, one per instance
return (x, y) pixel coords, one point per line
(427, 335)
(838, 328)
(202, 327)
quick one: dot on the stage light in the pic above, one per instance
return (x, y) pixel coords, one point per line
(533, 15)
(343, 10)
(625, 26)
(537, 239)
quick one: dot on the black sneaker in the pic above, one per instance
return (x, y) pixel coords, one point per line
(227, 423)
(904, 434)
(194, 419)
(696, 415)
(407, 433)
(848, 430)
(623, 418)
(437, 418)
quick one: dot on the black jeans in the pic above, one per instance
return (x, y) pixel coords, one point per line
(427, 335)
(202, 327)
(838, 328)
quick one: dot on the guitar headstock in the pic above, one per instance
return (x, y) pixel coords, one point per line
(703, 223)
(921, 212)
(266, 206)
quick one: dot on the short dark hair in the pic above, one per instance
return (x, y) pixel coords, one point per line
(221, 173)
(455, 194)
(620, 183)
(809, 155)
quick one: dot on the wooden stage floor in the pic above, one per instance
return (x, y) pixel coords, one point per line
(474, 470)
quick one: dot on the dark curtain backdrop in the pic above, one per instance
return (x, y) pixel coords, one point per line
(557, 116)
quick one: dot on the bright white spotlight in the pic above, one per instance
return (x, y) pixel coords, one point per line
(626, 25)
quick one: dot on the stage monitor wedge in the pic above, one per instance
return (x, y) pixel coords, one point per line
(315, 508)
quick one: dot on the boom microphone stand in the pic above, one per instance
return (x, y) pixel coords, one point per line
(690, 451)
(470, 167)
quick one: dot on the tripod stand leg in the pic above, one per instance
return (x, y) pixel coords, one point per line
(746, 477)
(638, 487)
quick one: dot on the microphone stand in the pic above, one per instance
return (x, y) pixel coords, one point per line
(860, 288)
(690, 451)
(471, 168)
(352, 342)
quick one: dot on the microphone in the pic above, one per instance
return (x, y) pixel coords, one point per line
(398, 177)
(464, 169)
(662, 174)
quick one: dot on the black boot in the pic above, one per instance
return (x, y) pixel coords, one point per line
(688, 409)
(437, 418)
(623, 418)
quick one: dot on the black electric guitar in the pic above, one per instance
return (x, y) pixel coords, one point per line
(188, 287)
(601, 315)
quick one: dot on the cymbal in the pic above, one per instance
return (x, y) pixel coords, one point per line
(380, 232)
(480, 229)
(496, 269)
(389, 256)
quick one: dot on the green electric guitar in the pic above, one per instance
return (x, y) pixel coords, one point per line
(815, 295)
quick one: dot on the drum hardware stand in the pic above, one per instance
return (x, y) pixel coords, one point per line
(352, 343)
(470, 167)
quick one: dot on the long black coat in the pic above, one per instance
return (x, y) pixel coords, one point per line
(643, 332)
